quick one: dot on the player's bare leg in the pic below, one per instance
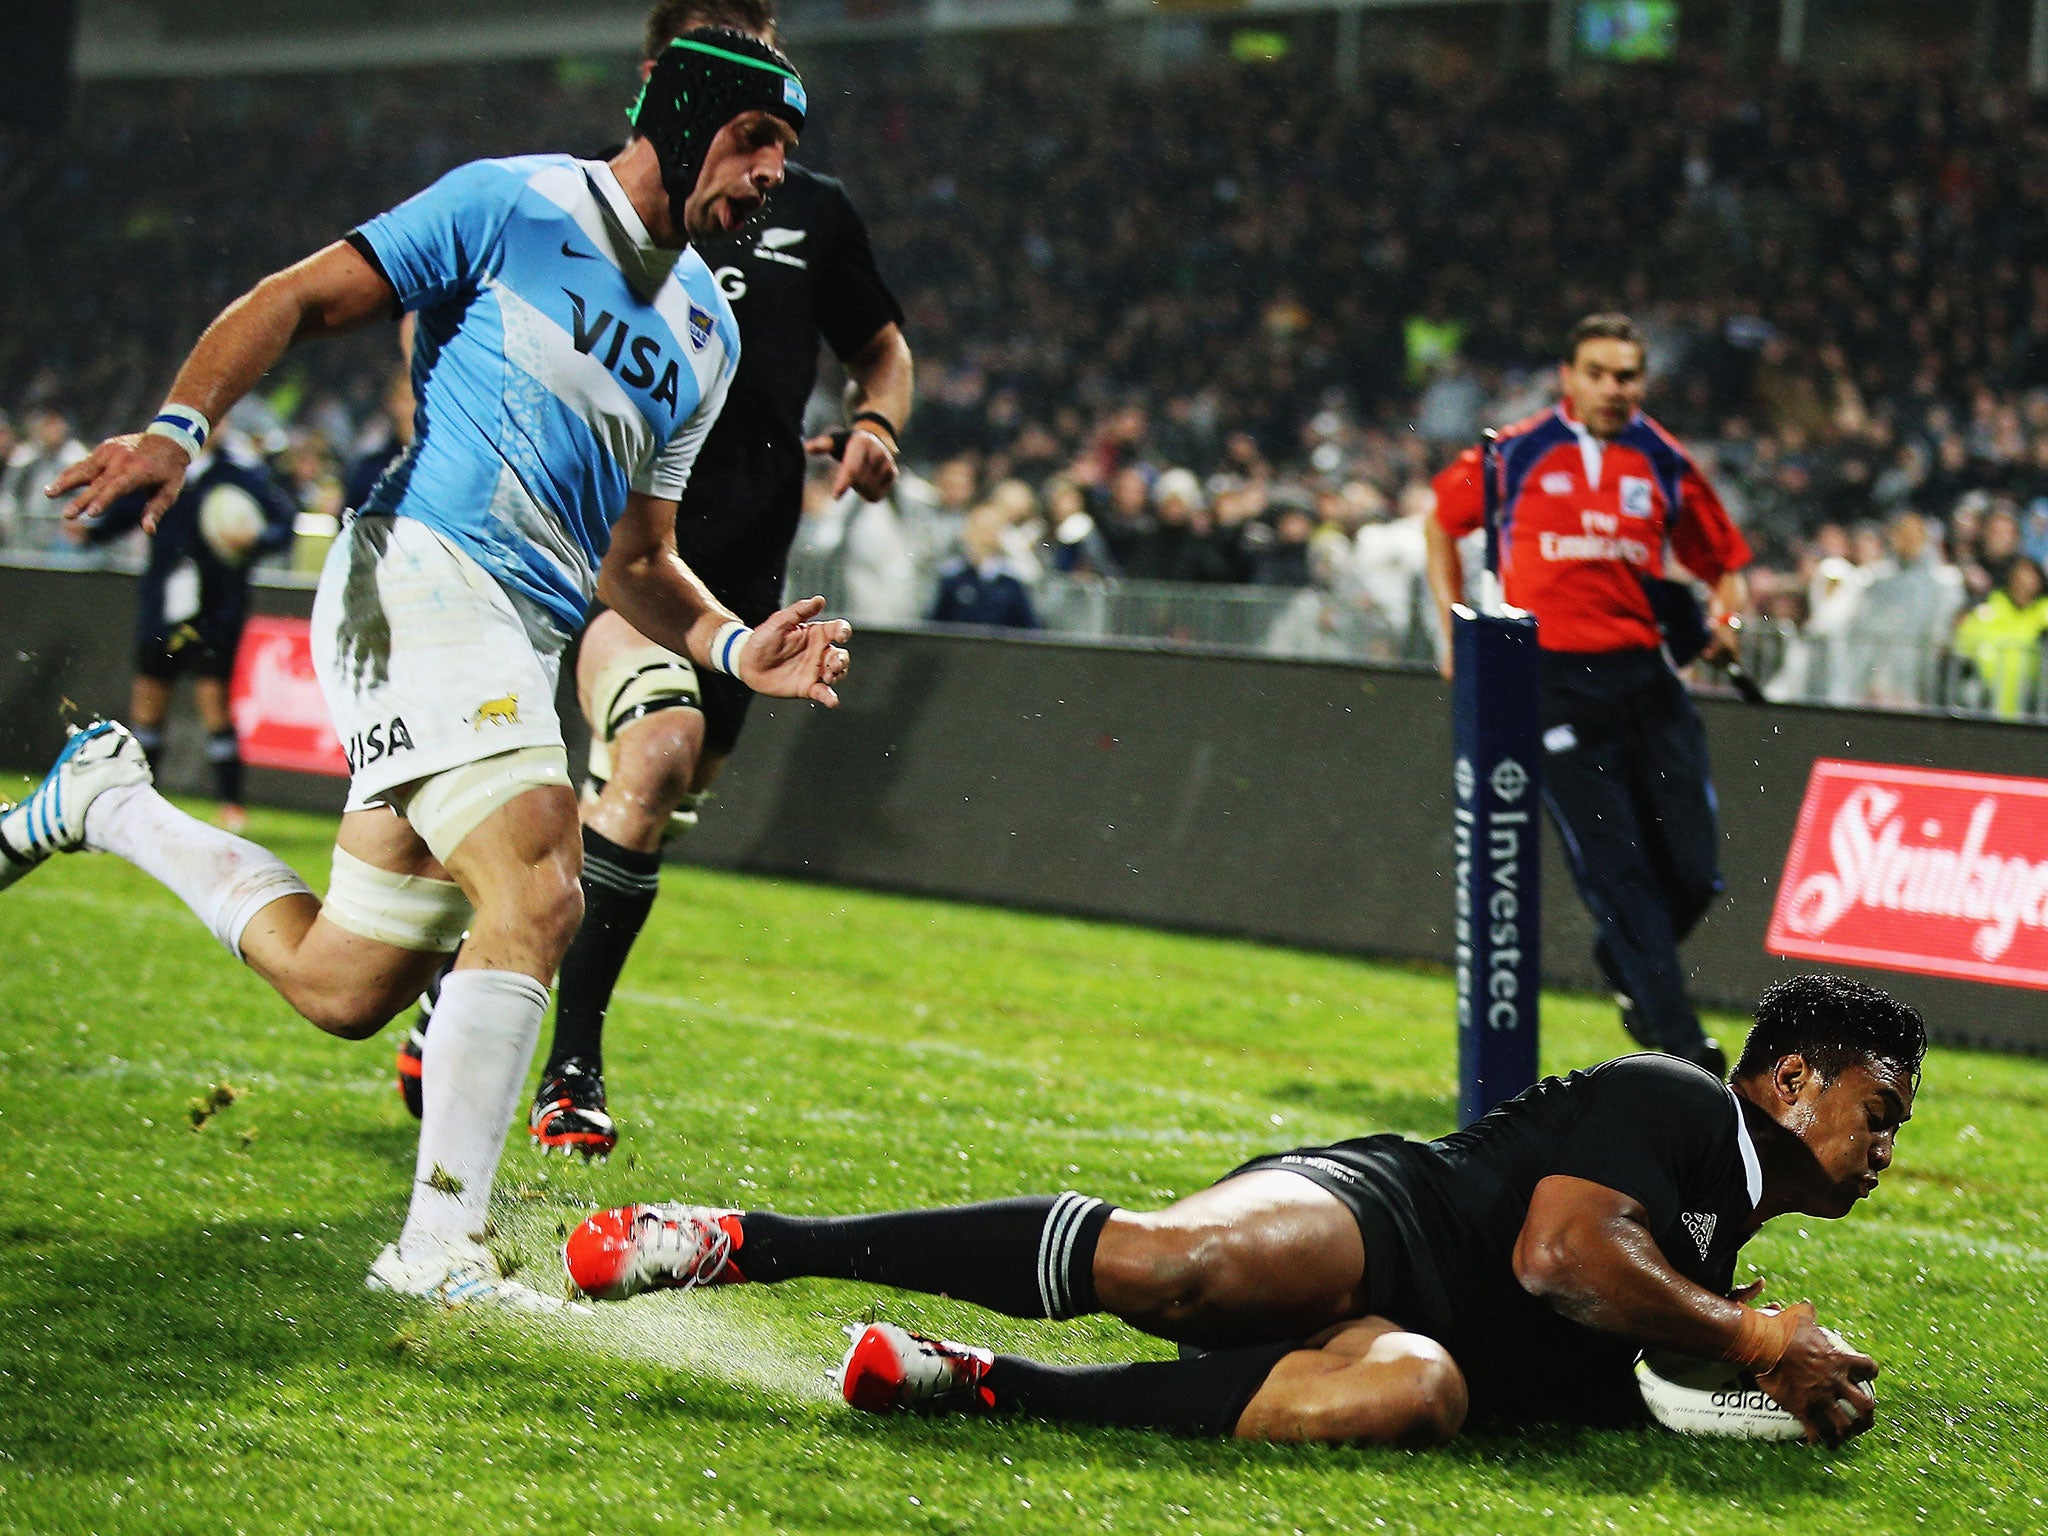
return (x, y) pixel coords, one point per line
(1363, 1382)
(350, 963)
(1249, 1268)
(1260, 1257)
(655, 757)
(647, 762)
(1264, 1255)
(518, 869)
(343, 982)
(1366, 1382)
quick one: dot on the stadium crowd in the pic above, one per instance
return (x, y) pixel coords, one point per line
(1167, 344)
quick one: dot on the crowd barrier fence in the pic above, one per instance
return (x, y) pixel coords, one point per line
(1305, 803)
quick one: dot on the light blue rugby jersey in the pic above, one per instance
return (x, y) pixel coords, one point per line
(561, 360)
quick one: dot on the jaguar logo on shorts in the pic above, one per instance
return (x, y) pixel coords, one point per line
(503, 711)
(377, 743)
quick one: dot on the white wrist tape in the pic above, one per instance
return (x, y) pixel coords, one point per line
(726, 646)
(188, 428)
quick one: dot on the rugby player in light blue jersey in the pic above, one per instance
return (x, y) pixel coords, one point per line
(572, 353)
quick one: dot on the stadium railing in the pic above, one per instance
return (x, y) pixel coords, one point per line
(1858, 670)
(1864, 670)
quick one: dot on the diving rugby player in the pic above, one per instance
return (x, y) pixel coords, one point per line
(572, 354)
(1377, 1290)
(661, 727)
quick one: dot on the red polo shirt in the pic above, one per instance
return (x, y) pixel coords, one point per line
(1580, 517)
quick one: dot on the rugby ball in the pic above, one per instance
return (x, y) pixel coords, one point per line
(230, 521)
(1712, 1397)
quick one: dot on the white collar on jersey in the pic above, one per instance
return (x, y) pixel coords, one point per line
(645, 264)
(1591, 450)
(1752, 1165)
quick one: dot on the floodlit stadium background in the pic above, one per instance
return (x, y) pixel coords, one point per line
(1200, 295)
(1298, 250)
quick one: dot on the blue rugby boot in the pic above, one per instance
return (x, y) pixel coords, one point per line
(103, 756)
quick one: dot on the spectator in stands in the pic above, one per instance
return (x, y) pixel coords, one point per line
(46, 450)
(1023, 529)
(1900, 633)
(2001, 536)
(1077, 546)
(1331, 618)
(977, 586)
(1390, 558)
(1115, 283)
(935, 510)
(1177, 542)
(1789, 671)
(2000, 642)
(1276, 547)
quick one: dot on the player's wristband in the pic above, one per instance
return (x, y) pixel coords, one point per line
(884, 423)
(726, 646)
(1761, 1339)
(188, 428)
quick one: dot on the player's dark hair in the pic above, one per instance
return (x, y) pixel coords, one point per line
(1834, 1023)
(1604, 327)
(670, 19)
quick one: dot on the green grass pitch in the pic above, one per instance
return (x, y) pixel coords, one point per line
(188, 1345)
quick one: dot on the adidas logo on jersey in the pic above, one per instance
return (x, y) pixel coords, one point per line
(641, 355)
(1701, 1225)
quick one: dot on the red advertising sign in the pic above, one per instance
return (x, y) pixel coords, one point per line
(279, 714)
(1919, 869)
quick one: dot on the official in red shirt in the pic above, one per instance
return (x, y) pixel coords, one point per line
(1593, 494)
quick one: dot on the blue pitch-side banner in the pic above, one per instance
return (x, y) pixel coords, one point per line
(1496, 759)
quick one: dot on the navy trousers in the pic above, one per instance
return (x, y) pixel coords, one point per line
(1626, 779)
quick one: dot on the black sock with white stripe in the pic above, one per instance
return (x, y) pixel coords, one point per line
(1033, 1257)
(1201, 1395)
(619, 886)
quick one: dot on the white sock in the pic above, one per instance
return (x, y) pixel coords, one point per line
(225, 879)
(473, 1074)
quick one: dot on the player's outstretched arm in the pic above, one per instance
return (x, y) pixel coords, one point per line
(1587, 1250)
(333, 291)
(788, 655)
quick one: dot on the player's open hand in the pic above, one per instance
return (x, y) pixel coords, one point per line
(123, 466)
(1822, 1382)
(793, 654)
(867, 464)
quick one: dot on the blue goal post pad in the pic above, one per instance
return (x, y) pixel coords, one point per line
(1496, 788)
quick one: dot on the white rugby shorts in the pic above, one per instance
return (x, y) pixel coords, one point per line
(426, 661)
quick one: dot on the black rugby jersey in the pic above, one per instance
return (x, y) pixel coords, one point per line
(1443, 1218)
(805, 270)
